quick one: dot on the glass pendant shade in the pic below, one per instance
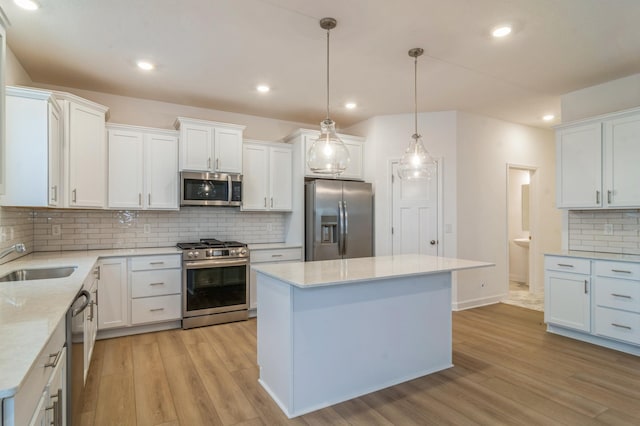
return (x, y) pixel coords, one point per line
(416, 163)
(328, 154)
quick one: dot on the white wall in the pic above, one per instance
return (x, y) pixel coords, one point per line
(485, 147)
(611, 96)
(15, 73)
(386, 138)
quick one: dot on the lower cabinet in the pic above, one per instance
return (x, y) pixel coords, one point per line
(41, 399)
(594, 300)
(269, 255)
(139, 290)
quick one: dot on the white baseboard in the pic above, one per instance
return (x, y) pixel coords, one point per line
(476, 303)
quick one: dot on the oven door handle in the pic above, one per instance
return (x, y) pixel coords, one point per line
(215, 263)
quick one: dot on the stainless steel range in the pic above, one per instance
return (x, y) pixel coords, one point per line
(215, 282)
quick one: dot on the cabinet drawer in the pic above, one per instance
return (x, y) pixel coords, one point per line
(155, 283)
(142, 263)
(567, 264)
(618, 294)
(626, 270)
(276, 255)
(618, 325)
(26, 400)
(155, 309)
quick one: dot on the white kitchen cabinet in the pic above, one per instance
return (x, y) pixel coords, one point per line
(267, 177)
(90, 326)
(113, 290)
(143, 168)
(567, 292)
(210, 146)
(3, 47)
(597, 162)
(84, 146)
(156, 288)
(44, 386)
(355, 145)
(579, 166)
(33, 143)
(269, 254)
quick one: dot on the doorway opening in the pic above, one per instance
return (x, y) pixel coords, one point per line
(521, 231)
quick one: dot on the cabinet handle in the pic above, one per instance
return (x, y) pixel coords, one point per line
(609, 196)
(97, 272)
(597, 197)
(139, 198)
(621, 295)
(209, 163)
(149, 199)
(585, 286)
(276, 255)
(55, 360)
(217, 164)
(54, 188)
(156, 263)
(626, 327)
(622, 271)
(265, 202)
(156, 309)
(566, 265)
(73, 196)
(271, 202)
(55, 406)
(156, 283)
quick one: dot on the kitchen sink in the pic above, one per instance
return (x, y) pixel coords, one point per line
(38, 273)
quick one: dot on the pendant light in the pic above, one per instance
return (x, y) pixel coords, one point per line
(416, 163)
(328, 155)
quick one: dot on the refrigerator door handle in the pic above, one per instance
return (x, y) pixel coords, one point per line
(340, 228)
(345, 230)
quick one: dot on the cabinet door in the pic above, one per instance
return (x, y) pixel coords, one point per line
(354, 170)
(86, 157)
(40, 416)
(125, 169)
(195, 147)
(161, 171)
(579, 166)
(622, 162)
(255, 177)
(113, 306)
(280, 179)
(228, 150)
(55, 152)
(90, 326)
(57, 387)
(567, 300)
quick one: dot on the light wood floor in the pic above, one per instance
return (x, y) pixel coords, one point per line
(507, 371)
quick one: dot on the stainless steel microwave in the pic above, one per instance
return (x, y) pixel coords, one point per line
(210, 189)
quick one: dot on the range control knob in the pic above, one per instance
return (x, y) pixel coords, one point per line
(243, 251)
(190, 254)
(196, 253)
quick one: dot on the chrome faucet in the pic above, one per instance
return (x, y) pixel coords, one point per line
(18, 248)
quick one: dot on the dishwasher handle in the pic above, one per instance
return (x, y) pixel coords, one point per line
(87, 296)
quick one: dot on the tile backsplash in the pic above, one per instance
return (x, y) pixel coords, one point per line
(55, 230)
(610, 231)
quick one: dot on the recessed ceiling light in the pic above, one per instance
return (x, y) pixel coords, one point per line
(263, 88)
(548, 117)
(144, 65)
(501, 31)
(27, 4)
(350, 105)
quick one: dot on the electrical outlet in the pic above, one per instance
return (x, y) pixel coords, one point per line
(55, 230)
(269, 227)
(147, 228)
(608, 229)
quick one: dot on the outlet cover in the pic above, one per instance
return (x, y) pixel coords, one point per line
(55, 230)
(608, 229)
(147, 228)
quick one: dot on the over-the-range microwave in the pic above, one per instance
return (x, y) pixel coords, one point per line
(210, 189)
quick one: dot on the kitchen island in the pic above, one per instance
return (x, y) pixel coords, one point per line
(330, 331)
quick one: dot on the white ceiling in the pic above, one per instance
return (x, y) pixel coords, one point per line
(212, 53)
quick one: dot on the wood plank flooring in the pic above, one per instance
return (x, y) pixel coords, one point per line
(508, 370)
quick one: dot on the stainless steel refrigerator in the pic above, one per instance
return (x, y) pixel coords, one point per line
(338, 219)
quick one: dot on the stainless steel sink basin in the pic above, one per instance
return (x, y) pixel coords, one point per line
(38, 273)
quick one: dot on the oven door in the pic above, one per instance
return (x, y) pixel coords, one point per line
(214, 286)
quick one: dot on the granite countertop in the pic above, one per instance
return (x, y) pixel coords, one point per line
(31, 310)
(596, 255)
(345, 271)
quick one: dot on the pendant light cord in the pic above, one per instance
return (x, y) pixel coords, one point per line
(328, 74)
(415, 95)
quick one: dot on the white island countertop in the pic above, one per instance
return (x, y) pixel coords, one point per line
(345, 271)
(31, 310)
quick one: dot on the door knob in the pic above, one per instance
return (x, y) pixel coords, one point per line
(433, 242)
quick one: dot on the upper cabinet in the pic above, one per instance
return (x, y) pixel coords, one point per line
(85, 152)
(267, 176)
(33, 143)
(3, 47)
(143, 168)
(210, 146)
(597, 162)
(355, 145)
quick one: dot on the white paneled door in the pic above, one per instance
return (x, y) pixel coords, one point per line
(414, 215)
